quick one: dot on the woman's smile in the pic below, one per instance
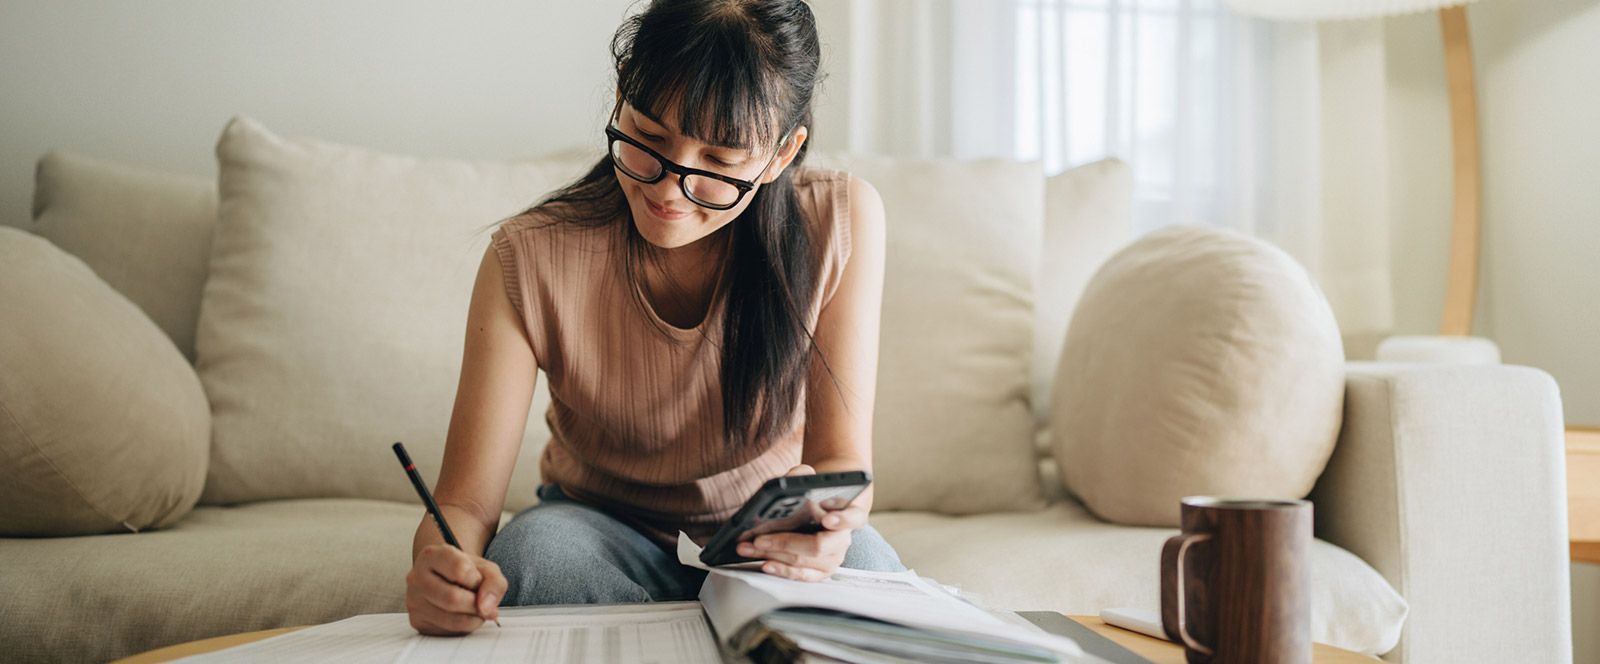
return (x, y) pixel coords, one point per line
(663, 213)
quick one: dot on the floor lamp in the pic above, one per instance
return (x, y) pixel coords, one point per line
(1455, 342)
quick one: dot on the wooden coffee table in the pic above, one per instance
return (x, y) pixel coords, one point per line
(1155, 650)
(1167, 652)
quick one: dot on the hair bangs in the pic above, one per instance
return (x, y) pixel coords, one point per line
(713, 82)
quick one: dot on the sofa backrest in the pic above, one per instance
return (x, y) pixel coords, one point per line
(146, 234)
(952, 429)
(969, 333)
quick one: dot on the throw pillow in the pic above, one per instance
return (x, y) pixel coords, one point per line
(1199, 361)
(103, 425)
(146, 234)
(333, 321)
(952, 431)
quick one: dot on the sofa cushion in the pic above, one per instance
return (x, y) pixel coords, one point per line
(333, 321)
(952, 431)
(103, 425)
(147, 234)
(1199, 361)
(1063, 559)
(1088, 216)
(219, 571)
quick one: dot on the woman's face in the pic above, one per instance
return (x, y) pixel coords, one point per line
(663, 215)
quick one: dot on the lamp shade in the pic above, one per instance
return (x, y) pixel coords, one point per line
(1314, 10)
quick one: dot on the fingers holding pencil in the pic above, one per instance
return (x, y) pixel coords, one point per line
(448, 590)
(480, 578)
(490, 590)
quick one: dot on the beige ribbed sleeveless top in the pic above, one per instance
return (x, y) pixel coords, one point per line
(636, 404)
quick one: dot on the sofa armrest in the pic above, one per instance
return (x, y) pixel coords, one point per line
(1450, 481)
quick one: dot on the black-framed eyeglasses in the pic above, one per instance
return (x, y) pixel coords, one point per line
(707, 189)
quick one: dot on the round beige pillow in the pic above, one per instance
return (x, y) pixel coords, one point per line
(103, 424)
(1200, 361)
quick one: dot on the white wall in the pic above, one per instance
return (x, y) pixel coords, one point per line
(1539, 94)
(152, 83)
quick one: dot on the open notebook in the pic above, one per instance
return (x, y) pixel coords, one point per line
(742, 615)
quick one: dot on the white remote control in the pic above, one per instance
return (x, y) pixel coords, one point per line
(1142, 621)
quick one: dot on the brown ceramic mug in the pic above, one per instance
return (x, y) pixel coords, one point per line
(1236, 583)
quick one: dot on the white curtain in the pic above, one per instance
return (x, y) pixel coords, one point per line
(1272, 128)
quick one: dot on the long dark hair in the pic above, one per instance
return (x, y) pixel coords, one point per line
(738, 73)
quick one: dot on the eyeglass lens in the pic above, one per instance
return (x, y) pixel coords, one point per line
(641, 165)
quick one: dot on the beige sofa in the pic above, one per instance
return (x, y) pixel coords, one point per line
(315, 294)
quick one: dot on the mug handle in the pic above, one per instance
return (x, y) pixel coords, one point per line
(1173, 599)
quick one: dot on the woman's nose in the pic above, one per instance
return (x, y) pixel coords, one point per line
(669, 191)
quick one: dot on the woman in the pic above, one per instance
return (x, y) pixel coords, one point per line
(706, 311)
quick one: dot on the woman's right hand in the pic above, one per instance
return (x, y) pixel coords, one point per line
(451, 593)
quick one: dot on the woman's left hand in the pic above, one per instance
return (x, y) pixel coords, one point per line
(807, 556)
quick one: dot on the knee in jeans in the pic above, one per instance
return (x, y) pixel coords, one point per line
(869, 551)
(558, 565)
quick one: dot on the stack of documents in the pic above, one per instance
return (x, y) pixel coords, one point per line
(862, 617)
(801, 635)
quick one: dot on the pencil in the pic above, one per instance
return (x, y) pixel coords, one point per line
(427, 500)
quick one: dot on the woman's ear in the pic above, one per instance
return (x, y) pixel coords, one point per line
(786, 154)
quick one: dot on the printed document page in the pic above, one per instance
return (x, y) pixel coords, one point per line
(369, 639)
(661, 633)
(660, 637)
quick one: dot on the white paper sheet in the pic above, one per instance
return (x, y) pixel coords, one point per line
(689, 554)
(659, 637)
(369, 639)
(661, 633)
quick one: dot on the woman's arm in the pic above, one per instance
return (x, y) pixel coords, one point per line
(489, 418)
(450, 591)
(839, 404)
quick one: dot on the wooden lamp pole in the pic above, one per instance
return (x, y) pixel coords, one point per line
(1461, 289)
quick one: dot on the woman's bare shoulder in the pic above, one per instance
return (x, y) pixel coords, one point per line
(555, 219)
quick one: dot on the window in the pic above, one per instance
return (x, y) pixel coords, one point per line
(1176, 88)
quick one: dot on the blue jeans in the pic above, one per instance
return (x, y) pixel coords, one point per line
(561, 551)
